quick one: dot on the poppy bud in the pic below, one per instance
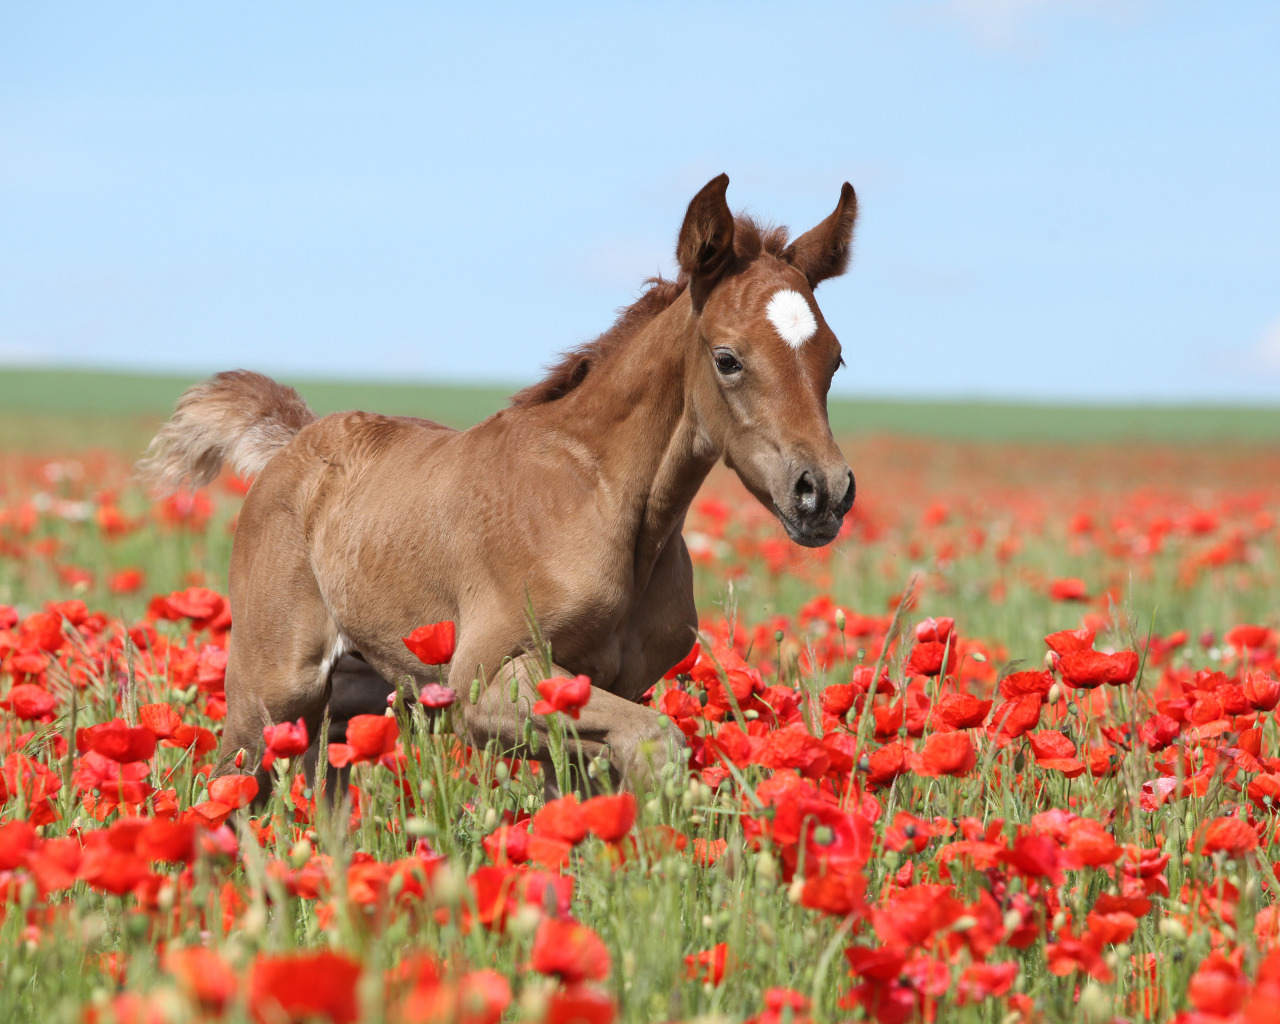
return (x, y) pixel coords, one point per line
(777, 635)
(1055, 693)
(1095, 1003)
(840, 619)
(239, 759)
(767, 867)
(299, 853)
(501, 772)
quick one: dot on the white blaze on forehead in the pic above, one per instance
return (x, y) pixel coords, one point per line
(790, 314)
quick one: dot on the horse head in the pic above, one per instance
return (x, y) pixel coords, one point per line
(766, 357)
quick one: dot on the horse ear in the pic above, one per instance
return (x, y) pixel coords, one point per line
(823, 252)
(705, 248)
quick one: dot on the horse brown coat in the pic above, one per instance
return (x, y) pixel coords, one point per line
(358, 527)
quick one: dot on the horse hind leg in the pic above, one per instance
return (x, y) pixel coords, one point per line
(283, 648)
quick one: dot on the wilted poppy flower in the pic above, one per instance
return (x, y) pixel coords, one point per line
(569, 950)
(435, 696)
(433, 644)
(569, 695)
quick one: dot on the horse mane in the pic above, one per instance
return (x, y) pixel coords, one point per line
(751, 239)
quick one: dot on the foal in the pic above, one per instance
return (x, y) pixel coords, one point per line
(359, 527)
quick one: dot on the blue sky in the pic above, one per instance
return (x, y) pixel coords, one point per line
(1060, 200)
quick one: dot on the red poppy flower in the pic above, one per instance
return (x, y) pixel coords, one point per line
(1086, 670)
(371, 736)
(1070, 640)
(126, 581)
(1248, 638)
(1232, 836)
(203, 975)
(562, 819)
(288, 739)
(1013, 718)
(1218, 988)
(610, 817)
(570, 951)
(118, 741)
(683, 666)
(433, 644)
(173, 841)
(887, 763)
(478, 997)
(1070, 589)
(1261, 691)
(1035, 856)
(304, 985)
(838, 893)
(709, 966)
(1021, 684)
(927, 658)
(161, 719)
(233, 790)
(961, 710)
(29, 702)
(569, 695)
(579, 1004)
(947, 753)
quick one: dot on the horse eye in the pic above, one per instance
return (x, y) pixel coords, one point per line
(727, 363)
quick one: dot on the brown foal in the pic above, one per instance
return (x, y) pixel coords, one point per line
(359, 527)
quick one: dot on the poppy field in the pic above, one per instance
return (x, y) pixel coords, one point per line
(1006, 752)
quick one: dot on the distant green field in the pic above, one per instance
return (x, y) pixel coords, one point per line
(47, 410)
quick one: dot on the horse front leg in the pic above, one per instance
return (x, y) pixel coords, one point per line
(637, 740)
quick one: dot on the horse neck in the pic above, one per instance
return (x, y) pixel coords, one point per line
(638, 414)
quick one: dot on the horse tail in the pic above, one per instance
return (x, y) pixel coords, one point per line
(238, 417)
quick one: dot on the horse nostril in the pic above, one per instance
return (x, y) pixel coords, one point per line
(846, 502)
(806, 493)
